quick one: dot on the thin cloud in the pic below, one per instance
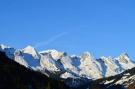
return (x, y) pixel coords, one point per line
(51, 40)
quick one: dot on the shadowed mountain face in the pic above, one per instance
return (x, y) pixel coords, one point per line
(16, 76)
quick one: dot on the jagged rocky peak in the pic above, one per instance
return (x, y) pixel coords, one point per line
(124, 58)
(89, 67)
(8, 50)
(75, 58)
(125, 61)
(109, 57)
(31, 50)
(87, 56)
(2, 47)
(54, 54)
(106, 59)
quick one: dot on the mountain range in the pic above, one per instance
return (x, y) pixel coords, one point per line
(82, 71)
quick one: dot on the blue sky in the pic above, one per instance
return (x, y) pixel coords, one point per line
(103, 27)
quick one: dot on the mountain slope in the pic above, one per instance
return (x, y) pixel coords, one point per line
(125, 80)
(15, 76)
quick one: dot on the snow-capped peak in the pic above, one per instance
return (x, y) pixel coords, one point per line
(124, 58)
(107, 60)
(87, 56)
(31, 50)
(89, 66)
(2, 47)
(125, 62)
(54, 53)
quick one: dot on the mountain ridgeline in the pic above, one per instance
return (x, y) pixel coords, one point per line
(28, 69)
